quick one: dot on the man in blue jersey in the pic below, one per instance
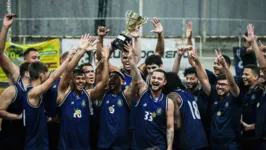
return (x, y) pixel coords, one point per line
(12, 133)
(51, 110)
(154, 113)
(114, 111)
(75, 101)
(33, 107)
(226, 104)
(89, 72)
(10, 69)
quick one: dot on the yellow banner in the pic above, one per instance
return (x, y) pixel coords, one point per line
(49, 52)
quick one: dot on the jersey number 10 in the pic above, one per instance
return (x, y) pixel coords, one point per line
(194, 110)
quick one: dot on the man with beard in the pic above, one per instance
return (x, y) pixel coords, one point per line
(226, 104)
(251, 97)
(10, 69)
(75, 102)
(12, 133)
(191, 134)
(192, 84)
(154, 113)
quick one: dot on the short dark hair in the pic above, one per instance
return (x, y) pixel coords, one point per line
(173, 84)
(35, 68)
(64, 55)
(78, 72)
(221, 77)
(85, 64)
(190, 70)
(160, 70)
(154, 59)
(227, 60)
(23, 68)
(27, 51)
(255, 69)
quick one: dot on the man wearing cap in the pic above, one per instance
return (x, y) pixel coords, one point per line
(114, 109)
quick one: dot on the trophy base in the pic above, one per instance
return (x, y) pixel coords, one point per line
(120, 41)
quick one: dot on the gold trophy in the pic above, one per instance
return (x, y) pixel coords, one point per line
(132, 21)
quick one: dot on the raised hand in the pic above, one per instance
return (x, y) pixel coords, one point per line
(189, 30)
(128, 47)
(87, 42)
(71, 53)
(135, 33)
(220, 58)
(102, 31)
(105, 51)
(193, 58)
(8, 20)
(262, 47)
(157, 24)
(180, 51)
(251, 36)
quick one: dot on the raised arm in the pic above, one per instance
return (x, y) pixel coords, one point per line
(234, 89)
(180, 53)
(137, 45)
(159, 50)
(170, 124)
(259, 55)
(98, 92)
(102, 31)
(10, 69)
(189, 33)
(6, 99)
(203, 78)
(36, 92)
(131, 90)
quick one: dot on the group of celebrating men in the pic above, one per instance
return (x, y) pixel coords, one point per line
(132, 107)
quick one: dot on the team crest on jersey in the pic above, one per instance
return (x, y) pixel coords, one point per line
(258, 105)
(96, 102)
(83, 103)
(119, 102)
(159, 111)
(216, 102)
(253, 96)
(196, 98)
(226, 104)
(54, 86)
(111, 109)
(145, 104)
(107, 102)
(72, 103)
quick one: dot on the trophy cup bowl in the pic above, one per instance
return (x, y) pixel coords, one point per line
(132, 21)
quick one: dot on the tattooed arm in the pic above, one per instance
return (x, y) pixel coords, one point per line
(133, 88)
(170, 124)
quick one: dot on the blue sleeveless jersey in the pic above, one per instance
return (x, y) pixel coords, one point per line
(35, 125)
(74, 122)
(192, 134)
(12, 133)
(50, 98)
(251, 99)
(150, 121)
(225, 121)
(114, 122)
